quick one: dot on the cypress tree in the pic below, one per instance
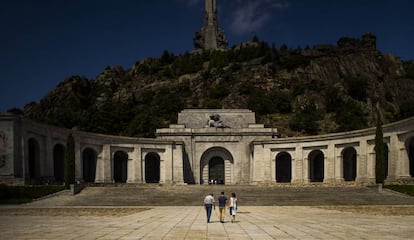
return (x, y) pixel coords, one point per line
(379, 152)
(70, 160)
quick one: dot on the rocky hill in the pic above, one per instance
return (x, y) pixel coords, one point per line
(314, 90)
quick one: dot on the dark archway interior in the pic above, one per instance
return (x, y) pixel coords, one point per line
(216, 170)
(34, 159)
(120, 167)
(89, 165)
(349, 164)
(386, 161)
(59, 162)
(152, 168)
(411, 156)
(283, 168)
(316, 166)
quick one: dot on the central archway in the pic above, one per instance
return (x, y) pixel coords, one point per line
(216, 163)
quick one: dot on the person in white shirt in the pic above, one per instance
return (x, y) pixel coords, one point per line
(209, 205)
(233, 207)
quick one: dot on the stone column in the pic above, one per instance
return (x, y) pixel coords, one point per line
(403, 160)
(78, 161)
(370, 154)
(293, 166)
(273, 165)
(134, 166)
(142, 160)
(49, 163)
(365, 165)
(339, 166)
(259, 164)
(130, 168)
(107, 163)
(268, 170)
(393, 158)
(329, 165)
(167, 167)
(298, 166)
(306, 177)
(99, 175)
(178, 168)
(163, 166)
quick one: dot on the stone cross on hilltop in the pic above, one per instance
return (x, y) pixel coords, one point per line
(210, 37)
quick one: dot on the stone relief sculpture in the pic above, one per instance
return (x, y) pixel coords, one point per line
(216, 121)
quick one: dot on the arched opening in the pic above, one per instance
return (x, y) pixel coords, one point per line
(152, 168)
(283, 168)
(59, 162)
(89, 165)
(34, 158)
(216, 170)
(349, 163)
(120, 167)
(316, 166)
(409, 145)
(216, 163)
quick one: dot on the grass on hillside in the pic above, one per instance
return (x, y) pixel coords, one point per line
(406, 189)
(24, 194)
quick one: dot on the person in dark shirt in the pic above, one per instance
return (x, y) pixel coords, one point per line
(222, 206)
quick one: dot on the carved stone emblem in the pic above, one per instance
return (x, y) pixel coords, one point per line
(216, 121)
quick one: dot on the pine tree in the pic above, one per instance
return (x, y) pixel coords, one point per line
(70, 160)
(379, 152)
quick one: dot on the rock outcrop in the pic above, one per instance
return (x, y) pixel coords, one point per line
(276, 84)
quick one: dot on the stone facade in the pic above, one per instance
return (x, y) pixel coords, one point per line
(210, 37)
(220, 145)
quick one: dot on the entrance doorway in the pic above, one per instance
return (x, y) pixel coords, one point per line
(34, 159)
(349, 157)
(152, 168)
(89, 158)
(283, 168)
(216, 170)
(120, 167)
(59, 162)
(216, 164)
(316, 166)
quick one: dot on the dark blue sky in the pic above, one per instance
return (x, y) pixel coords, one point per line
(45, 41)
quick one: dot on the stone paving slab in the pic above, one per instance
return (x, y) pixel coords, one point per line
(173, 222)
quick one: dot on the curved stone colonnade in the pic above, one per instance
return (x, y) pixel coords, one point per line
(190, 152)
(336, 158)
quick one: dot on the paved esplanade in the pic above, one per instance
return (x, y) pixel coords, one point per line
(253, 222)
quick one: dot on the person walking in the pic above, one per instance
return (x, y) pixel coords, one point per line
(209, 205)
(222, 201)
(233, 207)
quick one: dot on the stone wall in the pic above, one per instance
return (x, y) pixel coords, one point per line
(250, 153)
